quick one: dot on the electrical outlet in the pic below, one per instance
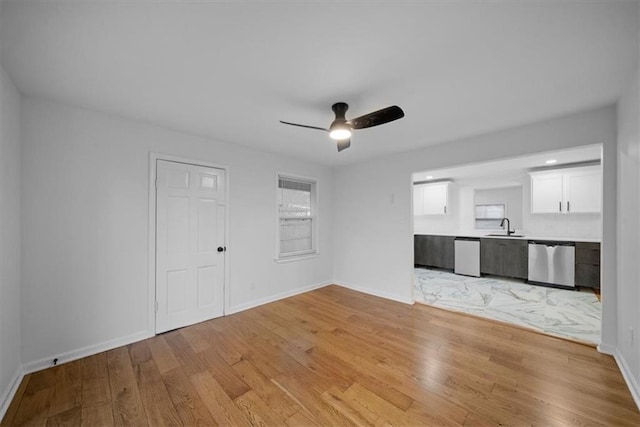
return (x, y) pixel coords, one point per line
(253, 286)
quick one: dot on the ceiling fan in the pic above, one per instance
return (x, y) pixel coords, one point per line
(341, 128)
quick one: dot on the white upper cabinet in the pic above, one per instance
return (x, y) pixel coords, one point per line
(583, 190)
(430, 199)
(574, 190)
(546, 193)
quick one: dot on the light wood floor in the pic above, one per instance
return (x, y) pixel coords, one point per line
(334, 357)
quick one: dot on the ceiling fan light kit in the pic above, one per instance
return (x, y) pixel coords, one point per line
(341, 128)
(339, 132)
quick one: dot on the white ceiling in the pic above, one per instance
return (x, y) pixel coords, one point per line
(231, 70)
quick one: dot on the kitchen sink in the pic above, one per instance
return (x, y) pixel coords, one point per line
(505, 235)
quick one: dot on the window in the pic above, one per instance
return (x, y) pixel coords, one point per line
(297, 220)
(488, 217)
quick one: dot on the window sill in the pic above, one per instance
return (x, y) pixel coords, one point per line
(295, 258)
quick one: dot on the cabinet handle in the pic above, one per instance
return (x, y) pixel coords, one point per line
(568, 210)
(559, 206)
(445, 209)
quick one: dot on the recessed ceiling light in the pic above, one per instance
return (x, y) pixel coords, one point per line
(551, 161)
(429, 177)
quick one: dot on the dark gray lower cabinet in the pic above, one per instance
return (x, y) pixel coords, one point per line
(433, 251)
(504, 257)
(588, 265)
(420, 250)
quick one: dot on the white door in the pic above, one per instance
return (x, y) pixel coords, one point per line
(190, 244)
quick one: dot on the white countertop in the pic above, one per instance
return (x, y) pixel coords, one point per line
(524, 237)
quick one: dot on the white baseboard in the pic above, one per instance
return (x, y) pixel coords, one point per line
(69, 356)
(255, 303)
(375, 292)
(627, 374)
(10, 391)
(85, 351)
(607, 349)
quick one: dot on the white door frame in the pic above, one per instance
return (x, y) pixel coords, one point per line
(153, 158)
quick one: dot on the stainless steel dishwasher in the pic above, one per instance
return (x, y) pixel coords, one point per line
(552, 263)
(467, 256)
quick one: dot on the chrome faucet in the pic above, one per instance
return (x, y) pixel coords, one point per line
(509, 230)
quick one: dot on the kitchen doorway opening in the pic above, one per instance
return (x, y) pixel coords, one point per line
(515, 240)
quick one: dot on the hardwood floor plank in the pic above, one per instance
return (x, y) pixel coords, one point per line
(229, 380)
(313, 405)
(188, 360)
(162, 354)
(361, 373)
(299, 310)
(556, 409)
(248, 352)
(430, 393)
(367, 399)
(257, 411)
(457, 358)
(351, 348)
(10, 415)
(219, 404)
(195, 340)
(567, 380)
(99, 414)
(186, 400)
(34, 408)
(300, 418)
(353, 411)
(95, 380)
(429, 415)
(46, 378)
(319, 367)
(386, 391)
(335, 357)
(153, 393)
(290, 330)
(67, 392)
(277, 400)
(219, 343)
(70, 417)
(127, 406)
(268, 345)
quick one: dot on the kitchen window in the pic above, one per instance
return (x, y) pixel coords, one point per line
(297, 217)
(488, 217)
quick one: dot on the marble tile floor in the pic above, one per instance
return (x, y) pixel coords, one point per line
(565, 313)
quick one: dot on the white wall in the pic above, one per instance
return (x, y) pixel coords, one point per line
(85, 226)
(10, 334)
(375, 252)
(629, 233)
